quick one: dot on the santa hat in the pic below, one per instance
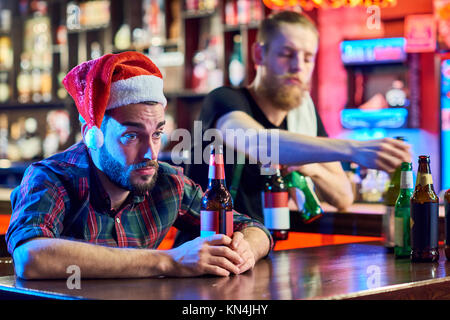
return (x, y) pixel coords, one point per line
(112, 81)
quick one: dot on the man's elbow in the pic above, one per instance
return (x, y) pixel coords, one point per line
(26, 263)
(344, 202)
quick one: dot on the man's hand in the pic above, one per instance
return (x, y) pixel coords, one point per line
(210, 255)
(385, 154)
(242, 247)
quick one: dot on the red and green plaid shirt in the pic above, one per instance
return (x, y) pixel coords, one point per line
(62, 197)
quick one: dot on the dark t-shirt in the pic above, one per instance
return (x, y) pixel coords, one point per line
(216, 104)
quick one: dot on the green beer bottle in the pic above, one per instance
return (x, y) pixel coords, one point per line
(310, 206)
(390, 197)
(402, 233)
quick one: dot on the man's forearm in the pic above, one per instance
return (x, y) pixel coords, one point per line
(45, 258)
(332, 184)
(296, 149)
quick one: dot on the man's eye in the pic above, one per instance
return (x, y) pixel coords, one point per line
(130, 136)
(158, 134)
(285, 54)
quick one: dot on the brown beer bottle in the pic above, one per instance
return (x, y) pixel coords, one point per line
(275, 199)
(447, 223)
(216, 214)
(424, 216)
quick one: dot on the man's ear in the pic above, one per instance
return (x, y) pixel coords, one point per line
(84, 128)
(258, 53)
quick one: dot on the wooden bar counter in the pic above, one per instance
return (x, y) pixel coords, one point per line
(345, 271)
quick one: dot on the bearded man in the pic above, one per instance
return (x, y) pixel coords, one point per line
(278, 101)
(106, 203)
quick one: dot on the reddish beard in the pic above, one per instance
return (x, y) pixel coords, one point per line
(284, 96)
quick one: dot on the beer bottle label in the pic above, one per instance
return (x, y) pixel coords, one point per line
(211, 223)
(406, 180)
(424, 225)
(423, 179)
(276, 210)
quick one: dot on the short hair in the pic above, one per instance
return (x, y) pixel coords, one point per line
(270, 25)
(108, 113)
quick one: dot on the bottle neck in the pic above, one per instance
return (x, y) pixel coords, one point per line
(424, 167)
(424, 179)
(213, 183)
(216, 172)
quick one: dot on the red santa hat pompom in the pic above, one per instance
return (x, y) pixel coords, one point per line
(112, 81)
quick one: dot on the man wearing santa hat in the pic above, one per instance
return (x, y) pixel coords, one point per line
(106, 203)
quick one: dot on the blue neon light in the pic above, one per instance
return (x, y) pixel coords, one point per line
(391, 118)
(371, 51)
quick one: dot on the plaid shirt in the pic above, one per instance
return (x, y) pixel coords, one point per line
(62, 197)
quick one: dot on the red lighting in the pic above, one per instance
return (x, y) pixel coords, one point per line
(311, 4)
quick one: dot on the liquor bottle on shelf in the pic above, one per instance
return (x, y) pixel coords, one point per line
(29, 144)
(447, 223)
(306, 198)
(46, 84)
(5, 91)
(191, 5)
(236, 68)
(6, 53)
(256, 11)
(122, 38)
(230, 13)
(243, 11)
(390, 197)
(36, 95)
(424, 216)
(3, 136)
(24, 80)
(402, 232)
(275, 203)
(216, 213)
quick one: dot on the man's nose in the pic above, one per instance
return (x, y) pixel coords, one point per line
(151, 151)
(297, 62)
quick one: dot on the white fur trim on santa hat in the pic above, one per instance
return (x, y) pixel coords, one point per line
(137, 89)
(94, 138)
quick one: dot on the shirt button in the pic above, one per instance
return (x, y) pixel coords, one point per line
(117, 220)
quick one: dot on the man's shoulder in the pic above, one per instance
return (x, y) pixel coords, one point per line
(75, 158)
(226, 90)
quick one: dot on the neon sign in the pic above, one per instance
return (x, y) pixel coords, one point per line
(391, 118)
(311, 4)
(369, 51)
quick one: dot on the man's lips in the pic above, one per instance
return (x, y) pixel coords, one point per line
(293, 81)
(146, 170)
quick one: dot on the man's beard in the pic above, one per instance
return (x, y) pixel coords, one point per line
(283, 96)
(120, 174)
